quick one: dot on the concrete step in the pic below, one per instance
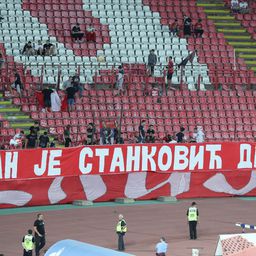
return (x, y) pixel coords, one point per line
(220, 17)
(247, 56)
(233, 31)
(227, 24)
(247, 50)
(17, 118)
(9, 110)
(238, 38)
(5, 103)
(210, 4)
(243, 44)
(21, 125)
(216, 11)
(250, 62)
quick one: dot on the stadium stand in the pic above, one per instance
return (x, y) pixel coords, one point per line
(126, 31)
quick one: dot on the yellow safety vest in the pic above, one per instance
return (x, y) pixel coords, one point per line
(28, 244)
(192, 214)
(120, 228)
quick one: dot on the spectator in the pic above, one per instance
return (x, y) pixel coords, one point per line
(52, 143)
(71, 91)
(28, 49)
(90, 35)
(243, 6)
(170, 72)
(200, 136)
(44, 140)
(17, 84)
(180, 135)
(104, 134)
(31, 141)
(198, 29)
(39, 48)
(142, 133)
(167, 138)
(119, 139)
(155, 91)
(193, 137)
(47, 98)
(67, 138)
(152, 59)
(175, 28)
(120, 79)
(118, 134)
(234, 6)
(187, 26)
(55, 101)
(150, 138)
(172, 140)
(49, 49)
(17, 140)
(68, 83)
(1, 61)
(76, 33)
(77, 85)
(90, 134)
(111, 136)
(35, 127)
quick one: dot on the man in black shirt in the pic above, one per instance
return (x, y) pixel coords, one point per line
(17, 84)
(142, 132)
(28, 49)
(35, 127)
(49, 49)
(76, 33)
(31, 140)
(180, 135)
(150, 134)
(90, 134)
(67, 138)
(39, 233)
(44, 140)
(71, 91)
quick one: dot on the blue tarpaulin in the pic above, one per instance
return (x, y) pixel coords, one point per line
(75, 248)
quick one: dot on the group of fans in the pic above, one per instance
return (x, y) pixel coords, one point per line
(109, 134)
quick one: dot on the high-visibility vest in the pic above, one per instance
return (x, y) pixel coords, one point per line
(28, 244)
(120, 228)
(192, 214)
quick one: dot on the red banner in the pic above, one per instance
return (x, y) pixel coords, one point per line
(140, 186)
(125, 159)
(183, 170)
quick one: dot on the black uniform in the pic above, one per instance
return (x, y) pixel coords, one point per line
(40, 240)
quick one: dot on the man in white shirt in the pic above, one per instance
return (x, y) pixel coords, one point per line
(39, 47)
(16, 141)
(234, 5)
(161, 247)
(243, 5)
(200, 136)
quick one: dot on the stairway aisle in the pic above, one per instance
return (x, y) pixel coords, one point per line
(11, 118)
(235, 34)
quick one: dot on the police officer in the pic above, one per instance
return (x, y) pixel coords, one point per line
(28, 243)
(193, 215)
(121, 229)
